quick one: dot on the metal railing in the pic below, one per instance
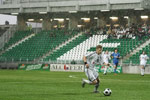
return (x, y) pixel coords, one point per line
(7, 35)
(26, 60)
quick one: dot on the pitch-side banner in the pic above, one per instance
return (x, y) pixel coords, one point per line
(110, 69)
(34, 67)
(67, 67)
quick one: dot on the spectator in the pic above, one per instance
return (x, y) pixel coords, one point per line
(73, 62)
(6, 22)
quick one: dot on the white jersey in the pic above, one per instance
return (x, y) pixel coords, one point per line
(106, 58)
(94, 59)
(143, 59)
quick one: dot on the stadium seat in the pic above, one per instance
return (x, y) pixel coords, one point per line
(38, 45)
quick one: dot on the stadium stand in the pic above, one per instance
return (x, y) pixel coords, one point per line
(125, 45)
(2, 31)
(19, 35)
(134, 59)
(77, 52)
(66, 48)
(47, 41)
(38, 45)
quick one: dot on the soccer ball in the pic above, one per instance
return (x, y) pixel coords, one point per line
(107, 92)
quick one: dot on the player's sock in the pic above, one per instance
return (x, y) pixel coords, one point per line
(114, 70)
(142, 71)
(105, 70)
(96, 87)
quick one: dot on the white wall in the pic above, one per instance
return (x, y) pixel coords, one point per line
(1, 1)
(135, 69)
(11, 19)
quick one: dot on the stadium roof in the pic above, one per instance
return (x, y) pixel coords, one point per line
(36, 6)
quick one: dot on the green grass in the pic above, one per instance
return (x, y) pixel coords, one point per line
(42, 85)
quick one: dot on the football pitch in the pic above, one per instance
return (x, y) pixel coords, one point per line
(44, 85)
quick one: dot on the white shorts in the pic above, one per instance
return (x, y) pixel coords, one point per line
(143, 64)
(92, 74)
